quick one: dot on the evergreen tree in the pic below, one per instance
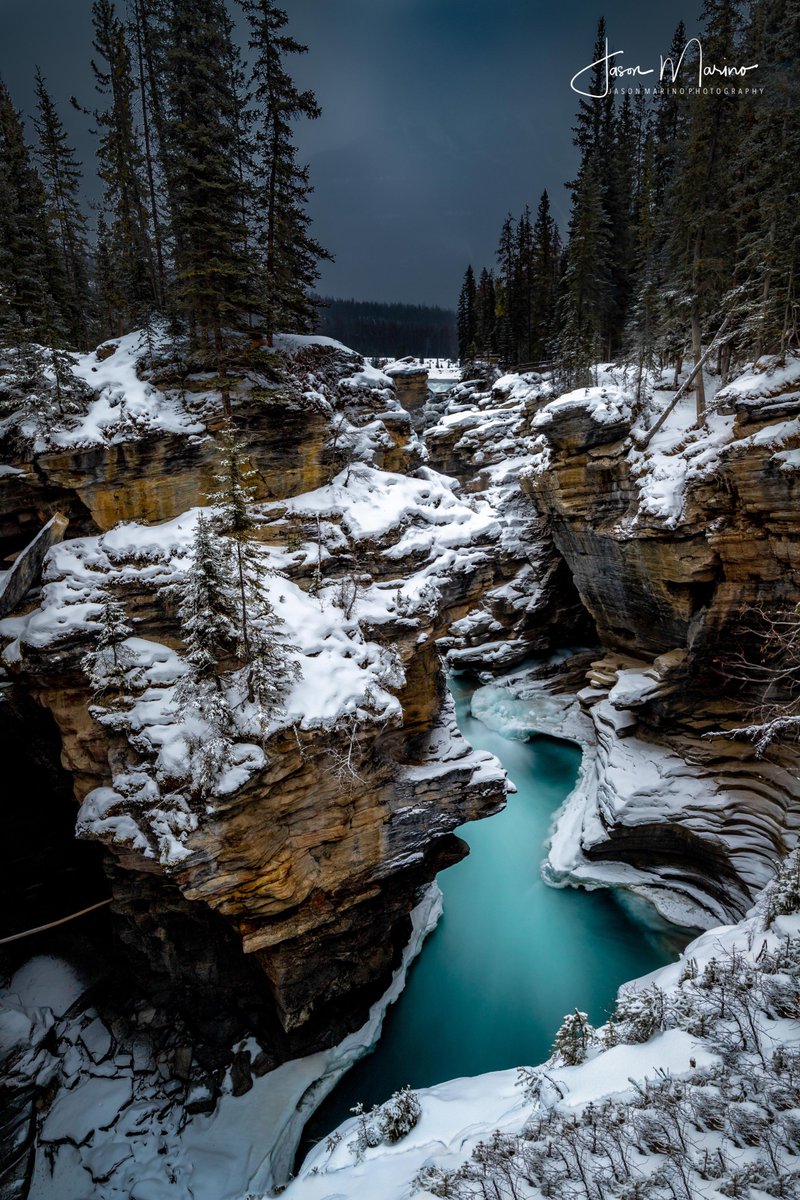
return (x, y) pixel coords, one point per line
(647, 281)
(701, 245)
(208, 619)
(108, 665)
(232, 500)
(143, 28)
(544, 290)
(588, 282)
(31, 276)
(271, 671)
(573, 1038)
(522, 296)
(290, 253)
(506, 310)
(213, 276)
(207, 605)
(467, 316)
(669, 115)
(595, 313)
(766, 299)
(61, 174)
(131, 284)
(486, 315)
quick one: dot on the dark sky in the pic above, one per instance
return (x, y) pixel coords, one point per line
(438, 117)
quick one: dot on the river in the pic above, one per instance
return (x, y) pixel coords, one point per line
(510, 955)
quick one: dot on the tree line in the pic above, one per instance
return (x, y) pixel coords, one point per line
(683, 217)
(379, 330)
(203, 218)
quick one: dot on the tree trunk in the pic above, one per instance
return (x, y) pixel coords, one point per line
(697, 352)
(148, 158)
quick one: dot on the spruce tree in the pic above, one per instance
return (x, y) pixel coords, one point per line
(271, 670)
(601, 188)
(467, 316)
(207, 603)
(523, 288)
(232, 500)
(109, 663)
(486, 316)
(506, 307)
(144, 35)
(766, 296)
(647, 279)
(213, 276)
(31, 274)
(587, 286)
(544, 290)
(208, 619)
(701, 244)
(131, 277)
(61, 174)
(573, 1038)
(290, 253)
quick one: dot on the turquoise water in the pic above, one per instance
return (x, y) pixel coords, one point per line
(510, 955)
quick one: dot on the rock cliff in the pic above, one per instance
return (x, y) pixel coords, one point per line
(283, 906)
(671, 545)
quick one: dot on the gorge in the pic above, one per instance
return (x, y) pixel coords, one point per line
(500, 526)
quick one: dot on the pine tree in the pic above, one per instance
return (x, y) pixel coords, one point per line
(647, 280)
(572, 1039)
(486, 315)
(232, 500)
(213, 276)
(282, 188)
(544, 290)
(207, 603)
(131, 277)
(701, 245)
(523, 288)
(31, 275)
(143, 28)
(61, 174)
(209, 626)
(506, 308)
(467, 316)
(602, 189)
(669, 115)
(271, 670)
(587, 283)
(109, 664)
(767, 173)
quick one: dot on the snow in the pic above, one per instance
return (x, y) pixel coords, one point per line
(762, 381)
(370, 503)
(46, 981)
(123, 1123)
(92, 1104)
(458, 1114)
(126, 405)
(606, 404)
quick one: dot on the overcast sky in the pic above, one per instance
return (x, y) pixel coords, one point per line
(438, 117)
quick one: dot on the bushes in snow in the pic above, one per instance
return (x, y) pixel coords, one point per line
(384, 1124)
(572, 1039)
(732, 1129)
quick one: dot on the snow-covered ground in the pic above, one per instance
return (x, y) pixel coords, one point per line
(680, 1089)
(117, 1128)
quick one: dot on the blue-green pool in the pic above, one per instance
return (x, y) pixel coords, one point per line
(510, 955)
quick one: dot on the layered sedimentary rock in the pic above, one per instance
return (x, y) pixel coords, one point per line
(283, 905)
(146, 449)
(672, 546)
